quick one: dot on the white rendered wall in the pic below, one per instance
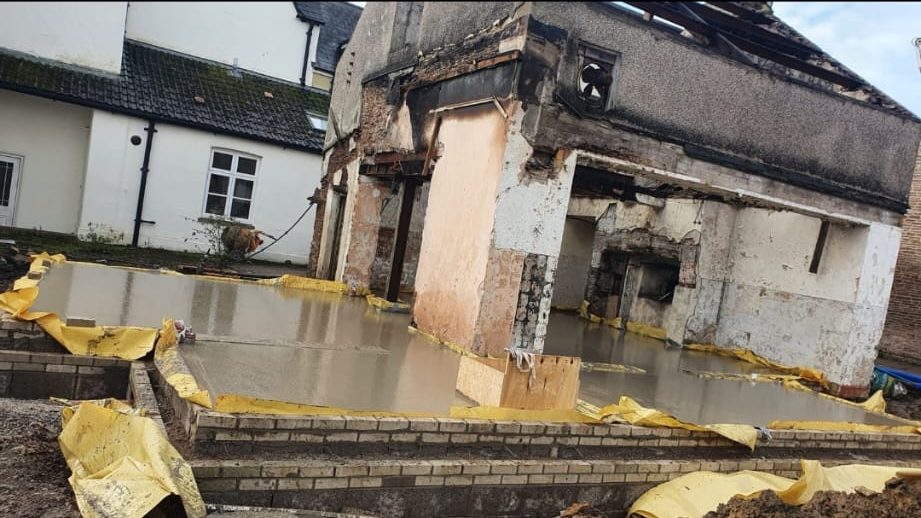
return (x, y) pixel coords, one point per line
(51, 138)
(88, 34)
(264, 37)
(177, 181)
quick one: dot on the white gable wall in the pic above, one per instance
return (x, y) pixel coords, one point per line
(50, 138)
(88, 34)
(177, 181)
(264, 37)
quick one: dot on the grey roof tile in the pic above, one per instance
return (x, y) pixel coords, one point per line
(162, 84)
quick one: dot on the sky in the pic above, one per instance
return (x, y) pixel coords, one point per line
(871, 38)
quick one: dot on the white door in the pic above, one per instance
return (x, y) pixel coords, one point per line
(9, 183)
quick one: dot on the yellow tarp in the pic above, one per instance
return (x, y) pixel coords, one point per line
(750, 357)
(306, 283)
(237, 404)
(125, 342)
(166, 358)
(696, 494)
(122, 465)
(617, 323)
(629, 411)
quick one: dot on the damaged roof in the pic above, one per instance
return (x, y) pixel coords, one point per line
(338, 20)
(750, 32)
(176, 88)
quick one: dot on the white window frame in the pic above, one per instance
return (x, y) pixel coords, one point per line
(233, 176)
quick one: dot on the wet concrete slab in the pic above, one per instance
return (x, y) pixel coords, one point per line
(325, 349)
(671, 385)
(282, 344)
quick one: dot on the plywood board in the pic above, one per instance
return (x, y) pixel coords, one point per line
(480, 379)
(556, 384)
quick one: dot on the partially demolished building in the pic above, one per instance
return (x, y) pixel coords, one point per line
(700, 169)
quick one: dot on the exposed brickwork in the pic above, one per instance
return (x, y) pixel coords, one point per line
(480, 487)
(903, 325)
(31, 375)
(428, 436)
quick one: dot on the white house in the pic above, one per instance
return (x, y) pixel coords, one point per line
(144, 119)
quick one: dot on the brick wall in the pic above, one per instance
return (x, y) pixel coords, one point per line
(902, 321)
(30, 375)
(450, 487)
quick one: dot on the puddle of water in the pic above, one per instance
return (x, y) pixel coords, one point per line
(325, 349)
(668, 387)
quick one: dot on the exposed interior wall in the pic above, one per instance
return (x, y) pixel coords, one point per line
(646, 241)
(385, 241)
(177, 182)
(226, 31)
(750, 273)
(575, 261)
(88, 34)
(459, 223)
(51, 138)
(366, 198)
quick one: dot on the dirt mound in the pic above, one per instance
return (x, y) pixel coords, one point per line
(901, 499)
(34, 481)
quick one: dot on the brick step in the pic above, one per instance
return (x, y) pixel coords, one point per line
(427, 487)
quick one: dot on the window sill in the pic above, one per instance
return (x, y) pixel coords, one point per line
(211, 220)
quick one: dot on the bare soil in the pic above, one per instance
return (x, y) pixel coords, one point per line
(34, 474)
(901, 499)
(907, 406)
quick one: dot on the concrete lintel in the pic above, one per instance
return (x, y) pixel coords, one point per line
(745, 195)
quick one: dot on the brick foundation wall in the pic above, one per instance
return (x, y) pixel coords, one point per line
(347, 435)
(457, 487)
(31, 375)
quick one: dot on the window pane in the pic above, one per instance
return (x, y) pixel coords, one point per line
(221, 161)
(239, 209)
(246, 165)
(218, 184)
(6, 182)
(215, 204)
(243, 189)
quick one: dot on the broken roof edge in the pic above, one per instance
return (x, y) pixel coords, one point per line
(730, 192)
(635, 18)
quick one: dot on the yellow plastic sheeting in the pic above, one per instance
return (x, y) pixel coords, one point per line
(845, 478)
(611, 367)
(125, 342)
(514, 414)
(385, 305)
(122, 465)
(696, 494)
(751, 357)
(699, 493)
(874, 403)
(306, 283)
(174, 370)
(629, 411)
(237, 404)
(836, 426)
(457, 348)
(634, 327)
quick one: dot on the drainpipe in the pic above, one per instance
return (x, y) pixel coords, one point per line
(150, 129)
(306, 55)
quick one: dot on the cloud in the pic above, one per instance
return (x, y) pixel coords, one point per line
(873, 39)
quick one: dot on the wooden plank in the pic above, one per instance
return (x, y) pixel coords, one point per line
(480, 379)
(556, 384)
